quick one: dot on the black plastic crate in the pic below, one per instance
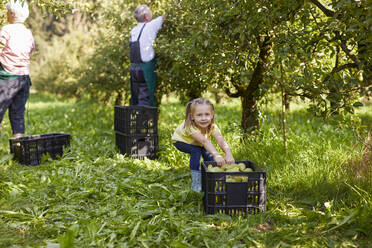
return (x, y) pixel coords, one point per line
(28, 150)
(136, 119)
(137, 145)
(221, 195)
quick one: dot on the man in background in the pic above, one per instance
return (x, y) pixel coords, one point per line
(142, 55)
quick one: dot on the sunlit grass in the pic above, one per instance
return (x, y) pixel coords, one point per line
(95, 197)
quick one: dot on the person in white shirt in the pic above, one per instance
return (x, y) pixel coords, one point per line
(16, 47)
(142, 55)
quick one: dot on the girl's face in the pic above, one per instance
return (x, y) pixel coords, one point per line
(202, 116)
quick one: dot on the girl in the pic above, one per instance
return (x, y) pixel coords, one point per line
(193, 137)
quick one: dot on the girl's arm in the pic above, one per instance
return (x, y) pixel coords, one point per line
(207, 144)
(225, 148)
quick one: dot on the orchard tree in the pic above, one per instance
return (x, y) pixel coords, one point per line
(105, 74)
(225, 43)
(58, 8)
(321, 52)
(327, 56)
(49, 19)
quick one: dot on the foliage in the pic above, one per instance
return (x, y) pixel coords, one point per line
(326, 56)
(55, 70)
(316, 50)
(249, 48)
(62, 43)
(94, 196)
(59, 8)
(106, 72)
(91, 59)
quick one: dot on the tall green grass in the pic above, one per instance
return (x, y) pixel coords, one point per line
(95, 197)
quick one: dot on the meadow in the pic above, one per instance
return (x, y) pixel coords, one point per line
(95, 197)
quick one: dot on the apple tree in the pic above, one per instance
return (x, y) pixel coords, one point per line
(320, 51)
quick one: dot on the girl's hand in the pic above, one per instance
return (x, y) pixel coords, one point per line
(229, 159)
(219, 160)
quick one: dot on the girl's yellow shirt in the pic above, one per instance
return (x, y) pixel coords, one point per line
(184, 134)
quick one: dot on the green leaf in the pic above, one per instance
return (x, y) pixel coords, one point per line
(358, 104)
(134, 231)
(67, 239)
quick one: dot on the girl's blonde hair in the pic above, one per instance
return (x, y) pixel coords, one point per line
(190, 107)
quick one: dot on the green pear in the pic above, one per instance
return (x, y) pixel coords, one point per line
(230, 179)
(230, 166)
(233, 170)
(241, 166)
(215, 169)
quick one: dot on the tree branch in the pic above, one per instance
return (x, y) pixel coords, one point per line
(230, 94)
(346, 49)
(338, 69)
(260, 69)
(310, 96)
(326, 11)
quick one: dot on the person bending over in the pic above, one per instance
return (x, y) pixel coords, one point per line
(193, 137)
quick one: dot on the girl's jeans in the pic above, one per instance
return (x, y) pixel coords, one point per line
(196, 152)
(13, 96)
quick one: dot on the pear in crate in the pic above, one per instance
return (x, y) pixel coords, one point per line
(234, 169)
(215, 169)
(241, 166)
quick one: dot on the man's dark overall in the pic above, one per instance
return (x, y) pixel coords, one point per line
(142, 76)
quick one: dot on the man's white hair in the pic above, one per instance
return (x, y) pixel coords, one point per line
(19, 10)
(140, 12)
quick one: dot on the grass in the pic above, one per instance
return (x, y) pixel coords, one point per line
(95, 197)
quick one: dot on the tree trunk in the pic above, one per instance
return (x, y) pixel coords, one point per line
(367, 68)
(250, 114)
(287, 101)
(284, 117)
(193, 93)
(158, 97)
(217, 97)
(119, 97)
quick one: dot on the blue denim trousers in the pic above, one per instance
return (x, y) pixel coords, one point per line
(13, 96)
(196, 152)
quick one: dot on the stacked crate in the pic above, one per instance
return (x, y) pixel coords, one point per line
(136, 130)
